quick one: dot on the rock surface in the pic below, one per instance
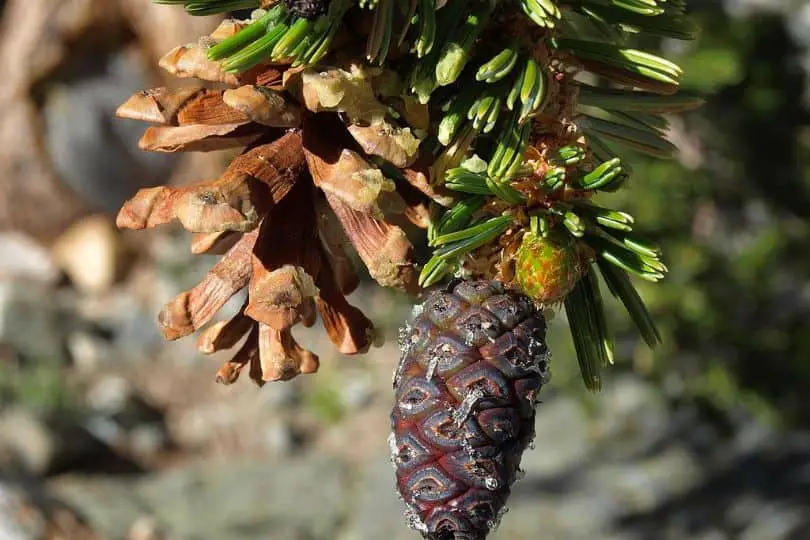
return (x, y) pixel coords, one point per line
(30, 321)
(237, 500)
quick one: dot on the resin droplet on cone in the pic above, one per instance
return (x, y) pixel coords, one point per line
(473, 359)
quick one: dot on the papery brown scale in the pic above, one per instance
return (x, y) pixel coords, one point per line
(157, 106)
(325, 136)
(209, 107)
(229, 203)
(361, 186)
(215, 243)
(278, 164)
(190, 310)
(309, 313)
(289, 233)
(349, 92)
(418, 215)
(285, 261)
(247, 355)
(418, 176)
(271, 76)
(191, 61)
(281, 357)
(263, 106)
(383, 247)
(199, 137)
(416, 205)
(228, 28)
(224, 335)
(396, 145)
(415, 113)
(348, 328)
(333, 241)
(344, 173)
(279, 298)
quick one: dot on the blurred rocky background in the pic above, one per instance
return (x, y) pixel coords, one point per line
(107, 432)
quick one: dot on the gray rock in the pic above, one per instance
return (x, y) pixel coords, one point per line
(278, 437)
(641, 484)
(29, 513)
(148, 440)
(234, 499)
(561, 440)
(631, 416)
(89, 351)
(128, 327)
(356, 389)
(121, 417)
(25, 258)
(109, 394)
(774, 521)
(12, 508)
(29, 321)
(377, 511)
(93, 152)
(39, 445)
(109, 504)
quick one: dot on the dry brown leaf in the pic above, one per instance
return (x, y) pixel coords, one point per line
(383, 247)
(191, 61)
(190, 310)
(394, 144)
(282, 358)
(263, 106)
(198, 137)
(157, 106)
(231, 203)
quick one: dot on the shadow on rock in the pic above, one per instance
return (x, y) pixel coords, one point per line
(51, 444)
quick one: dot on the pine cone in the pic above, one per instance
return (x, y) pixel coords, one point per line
(473, 359)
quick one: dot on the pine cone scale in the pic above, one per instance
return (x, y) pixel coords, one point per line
(473, 359)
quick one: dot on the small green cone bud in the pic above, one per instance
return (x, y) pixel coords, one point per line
(547, 269)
